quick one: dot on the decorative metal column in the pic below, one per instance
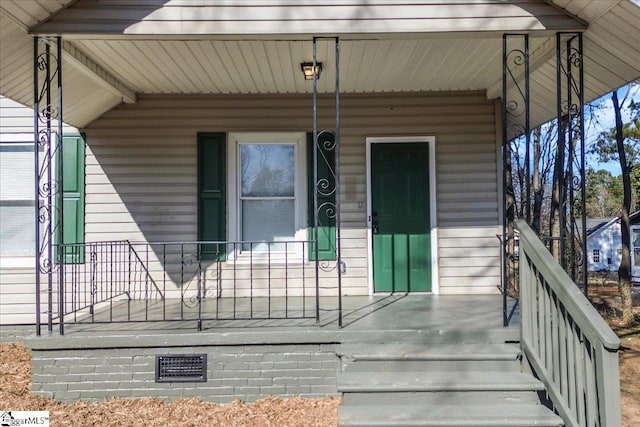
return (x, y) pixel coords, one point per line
(326, 151)
(47, 125)
(339, 264)
(571, 152)
(515, 124)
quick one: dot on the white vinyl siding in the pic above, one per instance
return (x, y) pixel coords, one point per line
(141, 170)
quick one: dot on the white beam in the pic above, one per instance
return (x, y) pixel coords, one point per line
(284, 18)
(95, 71)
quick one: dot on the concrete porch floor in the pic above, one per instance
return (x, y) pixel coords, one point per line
(362, 316)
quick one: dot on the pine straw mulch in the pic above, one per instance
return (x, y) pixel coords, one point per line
(15, 395)
(629, 374)
(606, 298)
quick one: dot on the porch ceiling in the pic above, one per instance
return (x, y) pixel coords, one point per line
(103, 70)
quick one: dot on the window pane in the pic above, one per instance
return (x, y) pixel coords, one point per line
(267, 220)
(636, 247)
(17, 231)
(267, 170)
(16, 172)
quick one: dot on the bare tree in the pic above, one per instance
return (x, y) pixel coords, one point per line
(622, 143)
(543, 161)
(558, 194)
(624, 271)
(510, 217)
(541, 164)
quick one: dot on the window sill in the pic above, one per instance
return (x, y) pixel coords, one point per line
(264, 259)
(7, 262)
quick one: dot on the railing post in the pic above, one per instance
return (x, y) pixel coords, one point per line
(606, 363)
(110, 278)
(304, 283)
(145, 269)
(130, 250)
(164, 281)
(182, 281)
(200, 284)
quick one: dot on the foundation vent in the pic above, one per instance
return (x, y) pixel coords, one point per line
(181, 368)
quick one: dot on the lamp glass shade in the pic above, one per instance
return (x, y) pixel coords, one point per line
(308, 70)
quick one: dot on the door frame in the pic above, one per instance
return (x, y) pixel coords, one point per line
(425, 139)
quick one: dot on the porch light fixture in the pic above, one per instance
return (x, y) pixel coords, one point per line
(308, 70)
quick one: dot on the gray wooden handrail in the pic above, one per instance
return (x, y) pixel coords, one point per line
(566, 341)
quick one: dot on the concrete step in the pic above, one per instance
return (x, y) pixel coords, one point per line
(439, 383)
(433, 357)
(441, 397)
(433, 336)
(430, 352)
(431, 366)
(378, 382)
(485, 415)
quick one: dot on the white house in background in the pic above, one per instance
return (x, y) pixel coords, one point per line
(604, 244)
(17, 213)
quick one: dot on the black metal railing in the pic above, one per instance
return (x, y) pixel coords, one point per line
(122, 281)
(97, 276)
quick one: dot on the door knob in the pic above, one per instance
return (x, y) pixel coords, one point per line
(374, 228)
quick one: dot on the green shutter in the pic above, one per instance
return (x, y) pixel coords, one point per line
(73, 193)
(326, 224)
(212, 182)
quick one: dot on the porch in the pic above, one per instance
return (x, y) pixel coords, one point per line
(405, 359)
(166, 147)
(250, 359)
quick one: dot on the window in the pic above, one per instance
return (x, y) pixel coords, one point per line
(266, 191)
(258, 187)
(635, 243)
(17, 206)
(267, 195)
(596, 255)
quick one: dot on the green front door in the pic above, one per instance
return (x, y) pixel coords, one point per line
(400, 217)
